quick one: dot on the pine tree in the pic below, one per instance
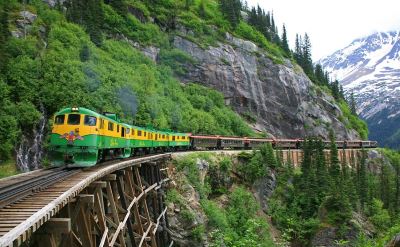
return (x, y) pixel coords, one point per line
(385, 185)
(231, 9)
(341, 92)
(322, 173)
(268, 155)
(334, 168)
(306, 56)
(363, 189)
(335, 89)
(90, 14)
(285, 44)
(4, 35)
(319, 74)
(189, 3)
(297, 52)
(119, 6)
(353, 106)
(202, 9)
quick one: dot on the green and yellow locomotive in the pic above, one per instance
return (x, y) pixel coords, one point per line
(81, 138)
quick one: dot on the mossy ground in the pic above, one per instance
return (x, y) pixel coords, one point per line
(8, 168)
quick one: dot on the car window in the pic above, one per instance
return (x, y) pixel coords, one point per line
(90, 120)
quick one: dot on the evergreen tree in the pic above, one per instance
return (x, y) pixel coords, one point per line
(89, 14)
(363, 189)
(119, 6)
(385, 185)
(189, 3)
(335, 89)
(306, 56)
(319, 75)
(231, 10)
(268, 155)
(397, 188)
(202, 9)
(322, 173)
(285, 44)
(4, 35)
(298, 50)
(334, 168)
(352, 103)
(341, 92)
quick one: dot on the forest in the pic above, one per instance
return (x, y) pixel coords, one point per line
(81, 53)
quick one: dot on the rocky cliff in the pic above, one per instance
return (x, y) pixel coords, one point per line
(280, 97)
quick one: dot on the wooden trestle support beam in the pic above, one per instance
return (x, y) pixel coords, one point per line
(124, 208)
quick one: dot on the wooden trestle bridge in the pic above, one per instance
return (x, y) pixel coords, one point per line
(118, 203)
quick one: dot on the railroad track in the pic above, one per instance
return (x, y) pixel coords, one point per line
(20, 219)
(19, 187)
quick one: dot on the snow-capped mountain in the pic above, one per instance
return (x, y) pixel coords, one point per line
(370, 68)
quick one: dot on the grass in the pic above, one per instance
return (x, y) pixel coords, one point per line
(8, 168)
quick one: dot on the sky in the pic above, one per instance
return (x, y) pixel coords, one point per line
(332, 24)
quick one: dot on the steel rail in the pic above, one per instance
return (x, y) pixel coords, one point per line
(21, 189)
(23, 230)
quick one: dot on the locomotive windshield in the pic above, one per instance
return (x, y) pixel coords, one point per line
(59, 119)
(74, 119)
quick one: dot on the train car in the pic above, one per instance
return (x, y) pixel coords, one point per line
(232, 142)
(353, 144)
(369, 144)
(257, 142)
(82, 137)
(160, 140)
(179, 141)
(285, 143)
(204, 141)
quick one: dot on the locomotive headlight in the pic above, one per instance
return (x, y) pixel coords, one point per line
(74, 109)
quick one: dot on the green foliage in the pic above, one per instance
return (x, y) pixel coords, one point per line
(231, 10)
(379, 216)
(113, 77)
(217, 217)
(219, 176)
(189, 165)
(352, 121)
(198, 232)
(7, 169)
(242, 207)
(246, 31)
(236, 223)
(176, 59)
(131, 27)
(258, 163)
(173, 196)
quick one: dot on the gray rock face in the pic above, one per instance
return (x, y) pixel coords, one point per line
(53, 3)
(283, 99)
(264, 189)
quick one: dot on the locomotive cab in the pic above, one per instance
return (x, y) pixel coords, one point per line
(74, 138)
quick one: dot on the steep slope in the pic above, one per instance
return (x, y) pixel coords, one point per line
(281, 98)
(369, 67)
(91, 54)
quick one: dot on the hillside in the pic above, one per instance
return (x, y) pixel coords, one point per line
(199, 66)
(368, 68)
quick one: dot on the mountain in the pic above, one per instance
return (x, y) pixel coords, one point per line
(370, 68)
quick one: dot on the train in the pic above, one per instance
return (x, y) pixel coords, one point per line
(82, 138)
